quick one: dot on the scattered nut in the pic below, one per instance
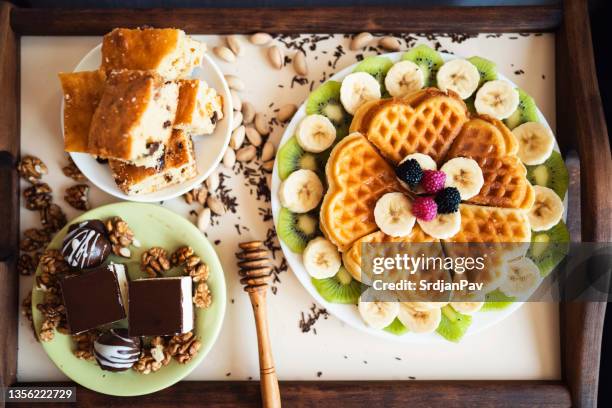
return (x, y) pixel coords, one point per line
(234, 82)
(261, 124)
(120, 235)
(236, 102)
(224, 53)
(198, 271)
(37, 196)
(253, 136)
(31, 168)
(237, 138)
(181, 255)
(215, 205)
(26, 264)
(183, 347)
(198, 195)
(77, 196)
(202, 297)
(246, 154)
(360, 40)
(268, 166)
(229, 158)
(52, 217)
(154, 262)
(72, 171)
(286, 112)
(389, 43)
(237, 121)
(260, 38)
(212, 182)
(267, 152)
(203, 221)
(275, 56)
(234, 44)
(248, 112)
(299, 63)
(34, 239)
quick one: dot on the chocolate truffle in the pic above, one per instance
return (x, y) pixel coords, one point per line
(95, 297)
(86, 245)
(160, 307)
(115, 350)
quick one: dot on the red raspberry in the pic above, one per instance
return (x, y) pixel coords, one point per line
(433, 181)
(424, 208)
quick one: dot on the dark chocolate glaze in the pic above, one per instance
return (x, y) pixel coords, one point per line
(86, 244)
(92, 299)
(116, 351)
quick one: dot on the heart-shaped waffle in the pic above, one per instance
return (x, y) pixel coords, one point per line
(494, 147)
(426, 121)
(352, 257)
(357, 176)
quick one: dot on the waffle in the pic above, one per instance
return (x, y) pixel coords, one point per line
(352, 257)
(357, 176)
(492, 225)
(426, 122)
(494, 147)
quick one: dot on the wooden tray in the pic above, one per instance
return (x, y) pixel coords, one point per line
(580, 127)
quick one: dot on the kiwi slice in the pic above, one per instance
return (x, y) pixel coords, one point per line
(295, 230)
(453, 324)
(486, 69)
(325, 100)
(496, 300)
(341, 288)
(548, 248)
(469, 102)
(527, 111)
(396, 327)
(292, 157)
(427, 59)
(552, 174)
(378, 68)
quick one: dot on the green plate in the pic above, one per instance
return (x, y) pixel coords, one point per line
(153, 226)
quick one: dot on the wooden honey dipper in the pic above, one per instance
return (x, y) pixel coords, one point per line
(256, 270)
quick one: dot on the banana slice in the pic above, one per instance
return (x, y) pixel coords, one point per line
(378, 314)
(467, 307)
(536, 142)
(358, 88)
(425, 161)
(301, 191)
(321, 258)
(465, 175)
(419, 321)
(547, 209)
(404, 78)
(522, 278)
(393, 214)
(497, 99)
(315, 133)
(458, 75)
(426, 306)
(444, 226)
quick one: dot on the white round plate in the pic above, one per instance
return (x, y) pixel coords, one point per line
(349, 313)
(209, 149)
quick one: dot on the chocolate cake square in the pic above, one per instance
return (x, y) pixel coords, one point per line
(160, 306)
(95, 298)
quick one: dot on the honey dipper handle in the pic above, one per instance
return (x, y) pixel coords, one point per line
(270, 393)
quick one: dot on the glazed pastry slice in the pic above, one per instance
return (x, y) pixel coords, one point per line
(199, 107)
(178, 165)
(82, 94)
(134, 119)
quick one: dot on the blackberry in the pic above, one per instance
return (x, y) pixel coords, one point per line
(448, 200)
(409, 172)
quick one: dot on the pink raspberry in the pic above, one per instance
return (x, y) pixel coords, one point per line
(424, 208)
(433, 181)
